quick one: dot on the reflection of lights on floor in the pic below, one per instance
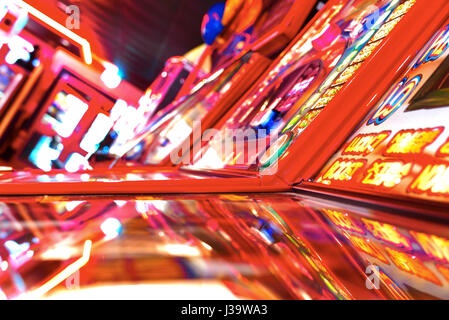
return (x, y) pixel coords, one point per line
(63, 275)
(180, 250)
(191, 290)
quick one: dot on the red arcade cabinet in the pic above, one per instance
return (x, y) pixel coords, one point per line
(366, 218)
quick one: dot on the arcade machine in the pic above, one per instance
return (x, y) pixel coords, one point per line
(370, 224)
(19, 63)
(213, 94)
(207, 176)
(297, 76)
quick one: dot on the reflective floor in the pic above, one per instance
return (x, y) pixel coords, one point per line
(260, 246)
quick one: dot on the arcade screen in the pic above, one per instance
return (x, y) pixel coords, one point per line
(402, 147)
(332, 49)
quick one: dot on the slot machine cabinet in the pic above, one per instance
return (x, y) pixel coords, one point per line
(276, 25)
(209, 176)
(68, 115)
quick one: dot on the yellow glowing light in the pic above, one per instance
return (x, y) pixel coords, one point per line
(387, 174)
(434, 179)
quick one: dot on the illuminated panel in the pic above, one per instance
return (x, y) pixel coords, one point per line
(404, 139)
(444, 271)
(411, 264)
(341, 170)
(364, 144)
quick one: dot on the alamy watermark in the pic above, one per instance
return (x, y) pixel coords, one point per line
(73, 282)
(73, 20)
(373, 277)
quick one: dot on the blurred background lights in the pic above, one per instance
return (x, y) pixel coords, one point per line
(111, 227)
(111, 76)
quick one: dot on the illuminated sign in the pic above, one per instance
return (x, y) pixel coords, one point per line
(403, 142)
(342, 170)
(412, 141)
(435, 49)
(433, 180)
(386, 174)
(444, 150)
(365, 144)
(395, 100)
(417, 253)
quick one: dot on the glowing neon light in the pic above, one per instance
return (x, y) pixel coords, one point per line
(412, 141)
(341, 170)
(364, 144)
(444, 150)
(433, 180)
(367, 247)
(400, 93)
(387, 174)
(87, 53)
(343, 220)
(435, 49)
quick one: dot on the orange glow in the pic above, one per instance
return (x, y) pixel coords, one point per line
(444, 271)
(367, 247)
(364, 144)
(342, 170)
(434, 246)
(343, 220)
(387, 233)
(412, 265)
(412, 141)
(433, 179)
(87, 53)
(386, 173)
(64, 274)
